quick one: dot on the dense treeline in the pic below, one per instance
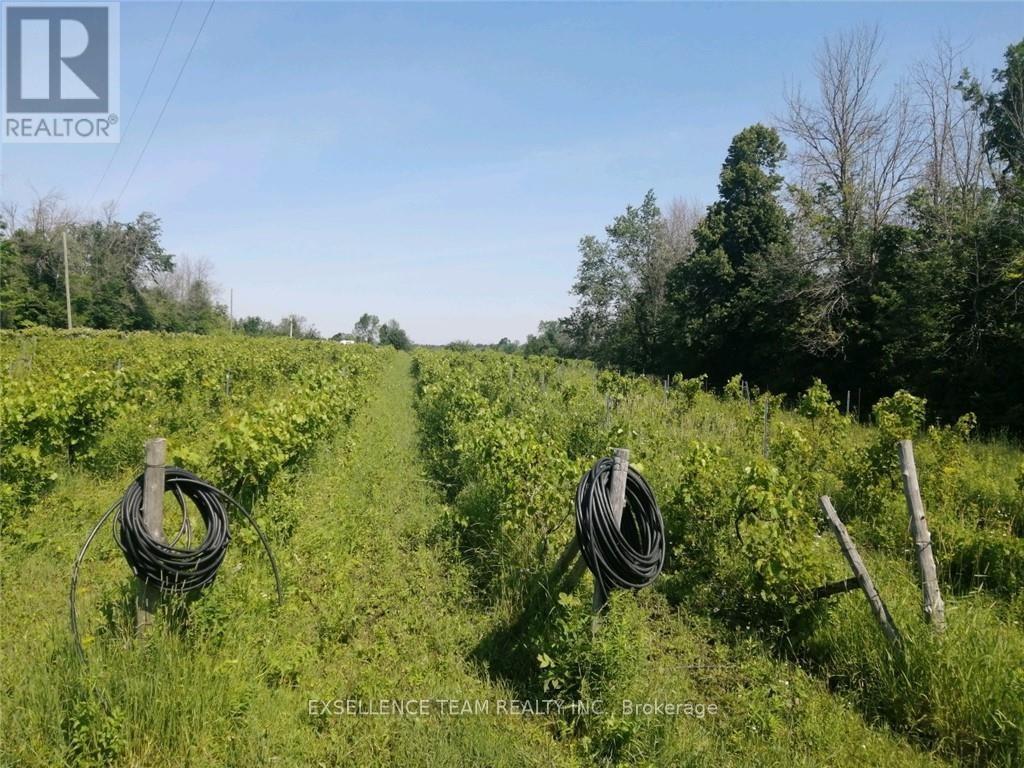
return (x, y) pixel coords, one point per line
(890, 256)
(120, 275)
(122, 278)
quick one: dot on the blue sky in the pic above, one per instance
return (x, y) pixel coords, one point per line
(438, 163)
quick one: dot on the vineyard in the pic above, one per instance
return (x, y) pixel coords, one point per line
(417, 505)
(738, 479)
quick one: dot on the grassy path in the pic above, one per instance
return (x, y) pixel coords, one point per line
(389, 607)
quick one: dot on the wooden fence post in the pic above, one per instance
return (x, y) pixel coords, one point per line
(764, 433)
(153, 522)
(931, 597)
(860, 570)
(617, 498)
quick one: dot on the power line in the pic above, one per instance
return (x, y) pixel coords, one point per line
(167, 101)
(142, 93)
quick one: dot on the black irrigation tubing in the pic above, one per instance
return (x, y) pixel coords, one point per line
(165, 566)
(629, 556)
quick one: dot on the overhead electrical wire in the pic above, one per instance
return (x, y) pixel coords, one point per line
(142, 93)
(167, 101)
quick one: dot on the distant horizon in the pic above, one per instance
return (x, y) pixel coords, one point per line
(438, 164)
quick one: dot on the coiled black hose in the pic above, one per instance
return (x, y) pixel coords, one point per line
(629, 556)
(165, 566)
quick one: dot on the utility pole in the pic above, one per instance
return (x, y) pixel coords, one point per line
(291, 327)
(67, 279)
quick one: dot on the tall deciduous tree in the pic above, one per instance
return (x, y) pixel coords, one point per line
(392, 334)
(621, 285)
(600, 288)
(637, 240)
(1002, 112)
(367, 328)
(857, 153)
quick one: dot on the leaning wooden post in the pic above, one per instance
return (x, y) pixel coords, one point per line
(860, 570)
(153, 522)
(577, 570)
(934, 608)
